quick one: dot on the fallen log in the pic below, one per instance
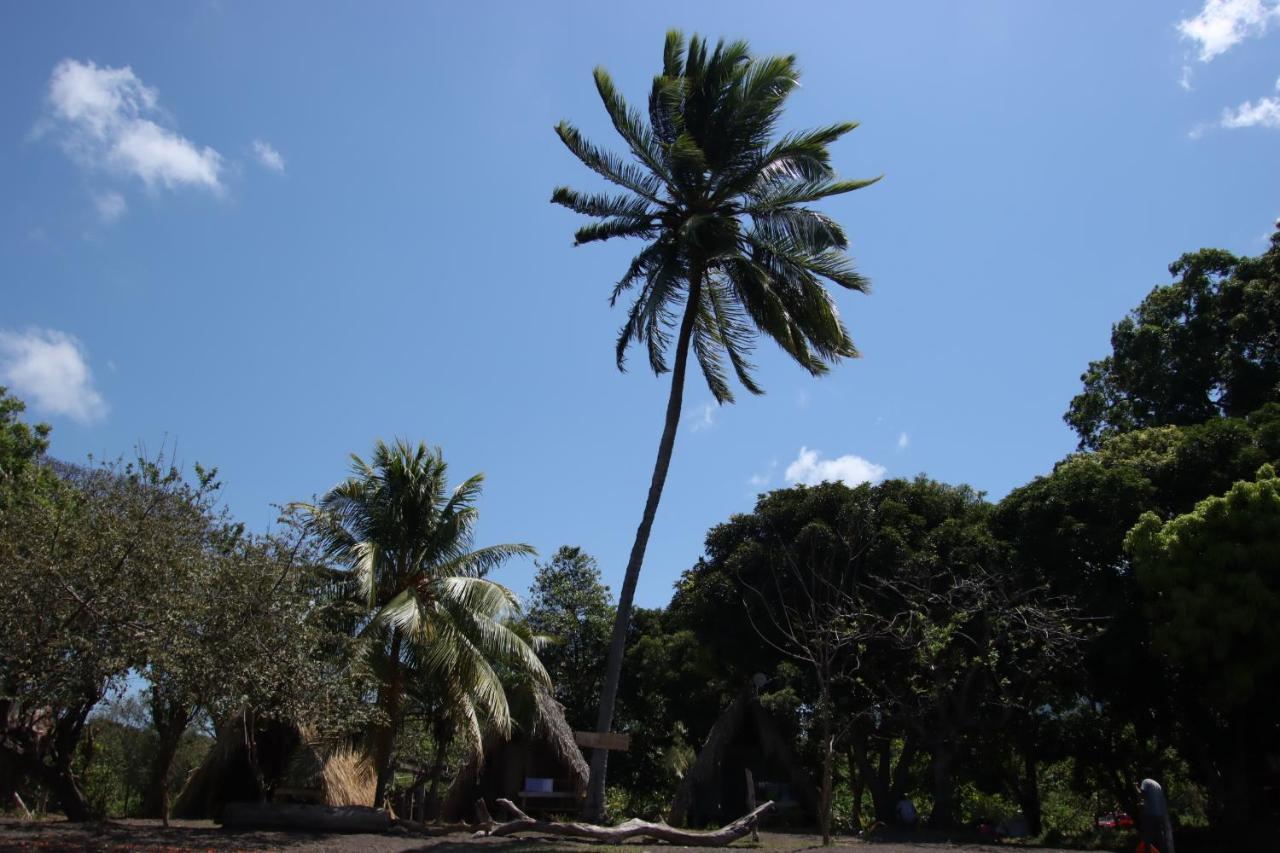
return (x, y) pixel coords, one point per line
(725, 835)
(308, 818)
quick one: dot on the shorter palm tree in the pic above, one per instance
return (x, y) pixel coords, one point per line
(433, 620)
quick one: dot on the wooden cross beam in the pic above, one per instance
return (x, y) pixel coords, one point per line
(603, 740)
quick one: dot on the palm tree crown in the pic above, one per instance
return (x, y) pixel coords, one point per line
(722, 203)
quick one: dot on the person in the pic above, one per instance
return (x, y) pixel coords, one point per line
(1154, 824)
(907, 815)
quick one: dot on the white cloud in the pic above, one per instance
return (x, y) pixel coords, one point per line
(107, 120)
(268, 156)
(1222, 24)
(1184, 80)
(48, 369)
(1264, 112)
(904, 441)
(762, 479)
(809, 469)
(703, 417)
(111, 206)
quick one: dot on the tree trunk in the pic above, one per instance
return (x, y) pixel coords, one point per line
(384, 739)
(1029, 794)
(594, 809)
(886, 780)
(249, 724)
(828, 753)
(63, 784)
(857, 784)
(943, 816)
(431, 807)
(170, 719)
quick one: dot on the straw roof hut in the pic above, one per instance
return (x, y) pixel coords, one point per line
(227, 774)
(543, 749)
(714, 790)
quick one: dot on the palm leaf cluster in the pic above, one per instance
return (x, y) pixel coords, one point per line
(721, 198)
(408, 541)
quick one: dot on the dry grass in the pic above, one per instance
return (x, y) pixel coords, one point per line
(349, 779)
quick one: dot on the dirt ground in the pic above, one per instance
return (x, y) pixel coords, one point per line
(148, 835)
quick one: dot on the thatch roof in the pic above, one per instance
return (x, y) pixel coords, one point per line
(551, 726)
(699, 798)
(226, 775)
(548, 730)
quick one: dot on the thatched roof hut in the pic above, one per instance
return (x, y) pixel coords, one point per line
(227, 773)
(542, 749)
(714, 790)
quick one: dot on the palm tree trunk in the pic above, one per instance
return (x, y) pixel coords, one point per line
(384, 739)
(613, 669)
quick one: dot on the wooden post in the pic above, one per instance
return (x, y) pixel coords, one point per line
(17, 799)
(751, 802)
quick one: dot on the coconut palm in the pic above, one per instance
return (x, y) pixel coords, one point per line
(732, 250)
(431, 615)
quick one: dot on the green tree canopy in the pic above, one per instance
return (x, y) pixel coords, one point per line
(1212, 583)
(21, 444)
(569, 605)
(946, 639)
(1212, 578)
(1205, 346)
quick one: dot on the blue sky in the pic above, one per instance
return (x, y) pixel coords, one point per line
(269, 234)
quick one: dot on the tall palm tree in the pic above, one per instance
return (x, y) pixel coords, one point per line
(732, 249)
(432, 615)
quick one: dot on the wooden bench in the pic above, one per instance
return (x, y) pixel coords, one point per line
(553, 800)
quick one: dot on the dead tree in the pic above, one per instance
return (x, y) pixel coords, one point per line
(521, 823)
(810, 608)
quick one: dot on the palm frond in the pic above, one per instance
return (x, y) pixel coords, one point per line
(609, 166)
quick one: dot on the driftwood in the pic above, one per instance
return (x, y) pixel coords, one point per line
(522, 823)
(305, 817)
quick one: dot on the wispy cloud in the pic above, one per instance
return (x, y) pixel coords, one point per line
(108, 120)
(268, 156)
(111, 206)
(50, 370)
(1223, 24)
(762, 479)
(809, 468)
(703, 417)
(904, 441)
(1264, 112)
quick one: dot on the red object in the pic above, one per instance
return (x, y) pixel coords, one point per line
(1144, 847)
(1118, 820)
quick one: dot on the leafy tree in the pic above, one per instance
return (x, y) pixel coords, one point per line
(21, 443)
(251, 631)
(672, 691)
(430, 612)
(1205, 346)
(904, 610)
(82, 561)
(1212, 578)
(733, 250)
(1071, 527)
(570, 606)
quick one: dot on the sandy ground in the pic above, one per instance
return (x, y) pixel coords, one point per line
(145, 835)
